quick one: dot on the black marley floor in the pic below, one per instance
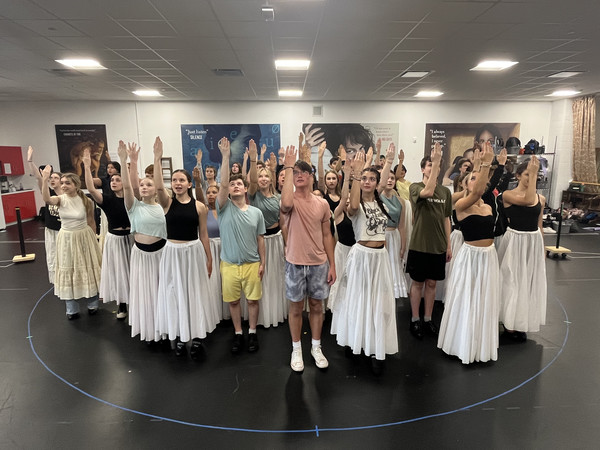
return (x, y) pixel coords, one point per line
(87, 384)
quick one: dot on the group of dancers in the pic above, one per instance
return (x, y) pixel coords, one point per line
(267, 245)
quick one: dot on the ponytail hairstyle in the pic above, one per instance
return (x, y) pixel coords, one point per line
(189, 178)
(76, 180)
(377, 198)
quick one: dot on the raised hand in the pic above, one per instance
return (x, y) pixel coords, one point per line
(263, 151)
(322, 148)
(358, 163)
(291, 155)
(87, 160)
(225, 146)
(46, 172)
(133, 151)
(271, 163)
(158, 149)
(369, 157)
(342, 152)
(281, 155)
(502, 157)
(436, 154)
(400, 157)
(30, 154)
(378, 146)
(252, 150)
(122, 151)
(533, 167)
(488, 154)
(196, 174)
(199, 158)
(476, 160)
(390, 154)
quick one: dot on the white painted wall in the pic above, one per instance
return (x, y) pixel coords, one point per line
(32, 123)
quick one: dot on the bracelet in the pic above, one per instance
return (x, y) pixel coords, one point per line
(252, 160)
(288, 167)
(356, 179)
(485, 165)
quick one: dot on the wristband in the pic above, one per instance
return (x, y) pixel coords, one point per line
(252, 160)
(356, 179)
(485, 165)
(288, 167)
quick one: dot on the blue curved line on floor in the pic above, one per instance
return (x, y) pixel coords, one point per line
(315, 430)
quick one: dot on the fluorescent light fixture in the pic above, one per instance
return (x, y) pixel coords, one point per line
(81, 63)
(429, 94)
(268, 13)
(413, 74)
(564, 93)
(147, 93)
(292, 64)
(494, 65)
(564, 74)
(290, 93)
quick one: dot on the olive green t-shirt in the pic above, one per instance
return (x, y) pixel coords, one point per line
(429, 232)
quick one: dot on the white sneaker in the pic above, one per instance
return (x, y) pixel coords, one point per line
(319, 357)
(297, 364)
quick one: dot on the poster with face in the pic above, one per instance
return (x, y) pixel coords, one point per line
(72, 140)
(204, 138)
(459, 139)
(353, 136)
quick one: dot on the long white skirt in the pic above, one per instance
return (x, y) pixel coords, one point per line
(114, 281)
(469, 327)
(143, 293)
(364, 315)
(273, 307)
(523, 272)
(186, 306)
(77, 265)
(408, 221)
(341, 256)
(50, 244)
(393, 241)
(456, 242)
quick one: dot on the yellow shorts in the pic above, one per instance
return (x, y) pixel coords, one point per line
(235, 278)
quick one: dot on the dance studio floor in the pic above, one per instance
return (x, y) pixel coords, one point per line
(87, 384)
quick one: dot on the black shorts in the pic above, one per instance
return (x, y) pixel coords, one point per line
(426, 266)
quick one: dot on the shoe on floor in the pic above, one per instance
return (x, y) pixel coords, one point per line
(197, 349)
(122, 311)
(252, 342)
(73, 316)
(297, 363)
(180, 349)
(236, 345)
(92, 311)
(319, 357)
(416, 329)
(376, 366)
(431, 328)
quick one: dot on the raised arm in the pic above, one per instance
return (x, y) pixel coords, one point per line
(287, 191)
(128, 195)
(225, 148)
(244, 164)
(34, 169)
(436, 158)
(400, 163)
(341, 207)
(271, 165)
(385, 172)
(320, 169)
(48, 199)
(163, 198)
(263, 152)
(203, 183)
(378, 148)
(133, 151)
(253, 154)
(531, 193)
(482, 177)
(89, 181)
(197, 175)
(358, 163)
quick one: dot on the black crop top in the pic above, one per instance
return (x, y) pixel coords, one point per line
(524, 218)
(114, 208)
(182, 221)
(345, 232)
(475, 227)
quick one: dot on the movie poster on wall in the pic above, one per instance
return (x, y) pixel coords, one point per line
(353, 136)
(456, 138)
(72, 140)
(206, 137)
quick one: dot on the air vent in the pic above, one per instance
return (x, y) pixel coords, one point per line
(64, 72)
(228, 72)
(317, 111)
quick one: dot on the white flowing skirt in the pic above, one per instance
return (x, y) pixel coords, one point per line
(393, 242)
(341, 256)
(77, 265)
(50, 244)
(456, 242)
(186, 306)
(114, 281)
(143, 293)
(523, 272)
(364, 316)
(469, 327)
(273, 307)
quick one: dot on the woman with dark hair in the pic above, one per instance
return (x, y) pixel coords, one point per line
(469, 327)
(236, 167)
(521, 254)
(186, 307)
(488, 133)
(149, 229)
(114, 283)
(364, 315)
(78, 257)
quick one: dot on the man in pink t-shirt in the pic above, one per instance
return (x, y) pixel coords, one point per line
(310, 265)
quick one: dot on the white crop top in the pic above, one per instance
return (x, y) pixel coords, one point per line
(72, 213)
(369, 225)
(147, 219)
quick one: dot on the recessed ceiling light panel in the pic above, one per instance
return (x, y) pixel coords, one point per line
(290, 93)
(147, 93)
(81, 63)
(565, 74)
(413, 74)
(292, 64)
(494, 66)
(429, 94)
(564, 93)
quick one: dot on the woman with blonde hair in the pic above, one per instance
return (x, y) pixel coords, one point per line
(78, 257)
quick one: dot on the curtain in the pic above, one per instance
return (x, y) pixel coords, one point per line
(584, 141)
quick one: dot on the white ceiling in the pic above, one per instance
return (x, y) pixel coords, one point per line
(358, 48)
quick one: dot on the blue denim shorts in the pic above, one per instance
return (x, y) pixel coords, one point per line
(306, 281)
